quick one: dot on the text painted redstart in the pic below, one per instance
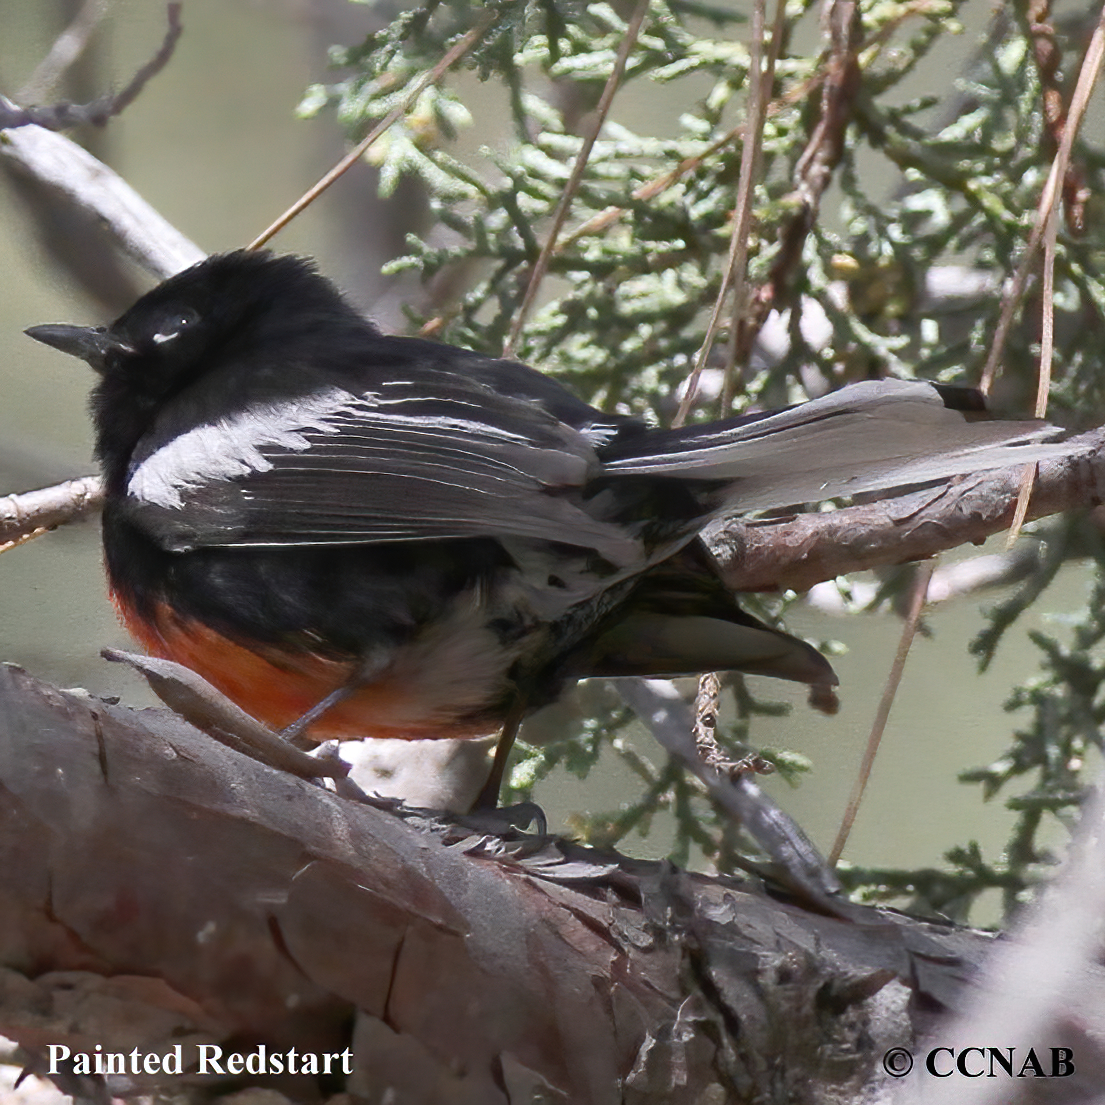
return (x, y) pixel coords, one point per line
(385, 536)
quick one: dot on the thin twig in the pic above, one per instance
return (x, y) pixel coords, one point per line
(99, 111)
(882, 715)
(1049, 216)
(33, 512)
(541, 265)
(742, 215)
(748, 175)
(1047, 336)
(606, 218)
(461, 47)
(1087, 78)
(67, 48)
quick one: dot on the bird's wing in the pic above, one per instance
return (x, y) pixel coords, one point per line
(865, 437)
(401, 462)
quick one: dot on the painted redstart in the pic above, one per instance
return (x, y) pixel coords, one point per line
(385, 536)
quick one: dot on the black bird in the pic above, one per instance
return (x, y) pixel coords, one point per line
(366, 535)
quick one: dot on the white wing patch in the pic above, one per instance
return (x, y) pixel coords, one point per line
(235, 447)
(231, 447)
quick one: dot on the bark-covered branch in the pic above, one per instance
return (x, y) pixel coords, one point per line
(136, 227)
(798, 551)
(161, 889)
(24, 515)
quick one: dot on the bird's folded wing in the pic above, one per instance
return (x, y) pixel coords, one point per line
(404, 463)
(391, 465)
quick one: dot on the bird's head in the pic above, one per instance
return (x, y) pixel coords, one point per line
(183, 326)
(243, 308)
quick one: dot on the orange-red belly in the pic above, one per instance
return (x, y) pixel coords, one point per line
(277, 686)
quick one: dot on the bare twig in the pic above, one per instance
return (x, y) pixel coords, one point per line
(606, 218)
(141, 232)
(1047, 335)
(461, 47)
(882, 715)
(33, 512)
(541, 265)
(743, 221)
(742, 214)
(99, 111)
(1087, 78)
(67, 48)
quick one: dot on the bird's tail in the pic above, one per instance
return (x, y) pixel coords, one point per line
(865, 437)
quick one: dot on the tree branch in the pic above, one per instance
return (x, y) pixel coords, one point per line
(798, 551)
(139, 230)
(162, 889)
(32, 512)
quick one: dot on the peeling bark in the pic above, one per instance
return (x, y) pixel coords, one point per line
(159, 888)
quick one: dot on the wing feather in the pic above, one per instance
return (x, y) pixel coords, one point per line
(865, 437)
(384, 465)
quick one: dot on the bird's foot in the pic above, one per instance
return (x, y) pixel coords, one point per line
(506, 820)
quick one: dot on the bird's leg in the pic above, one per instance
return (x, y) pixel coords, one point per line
(488, 798)
(369, 667)
(293, 733)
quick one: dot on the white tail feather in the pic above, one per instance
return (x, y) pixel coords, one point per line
(866, 437)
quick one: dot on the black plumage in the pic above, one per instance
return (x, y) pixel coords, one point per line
(415, 519)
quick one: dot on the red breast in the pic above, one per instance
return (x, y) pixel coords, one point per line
(408, 699)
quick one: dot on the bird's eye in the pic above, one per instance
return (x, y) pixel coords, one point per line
(174, 325)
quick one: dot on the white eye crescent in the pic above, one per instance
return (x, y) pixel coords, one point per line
(174, 326)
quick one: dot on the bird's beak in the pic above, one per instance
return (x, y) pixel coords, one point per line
(91, 343)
